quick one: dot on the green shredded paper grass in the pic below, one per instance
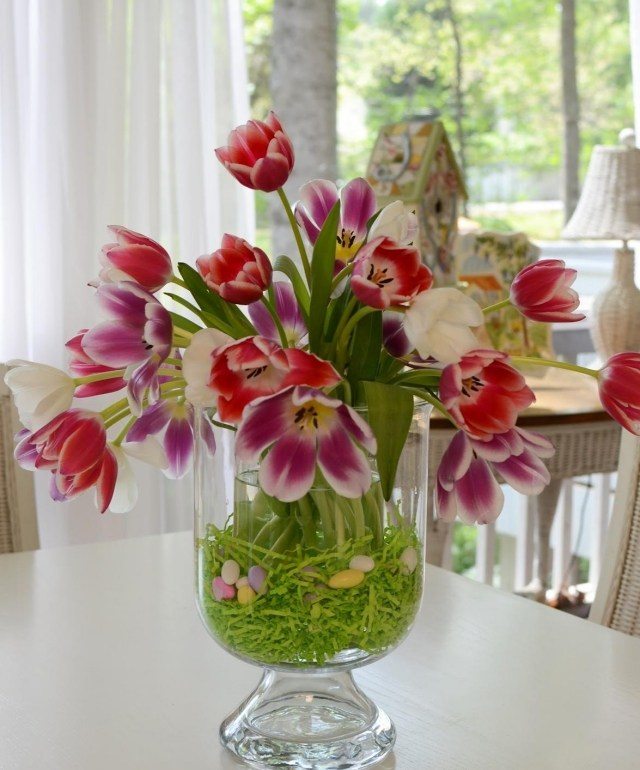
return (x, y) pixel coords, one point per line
(300, 621)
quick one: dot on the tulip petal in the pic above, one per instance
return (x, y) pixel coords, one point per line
(115, 344)
(344, 465)
(82, 448)
(106, 482)
(288, 470)
(178, 446)
(455, 461)
(125, 492)
(152, 421)
(478, 494)
(264, 421)
(358, 204)
(526, 473)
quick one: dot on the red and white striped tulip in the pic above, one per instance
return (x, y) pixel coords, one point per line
(238, 271)
(483, 393)
(619, 385)
(386, 273)
(259, 154)
(135, 257)
(82, 365)
(542, 292)
(73, 446)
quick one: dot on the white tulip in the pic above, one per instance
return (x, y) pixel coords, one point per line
(196, 365)
(395, 222)
(125, 493)
(40, 392)
(437, 324)
(149, 451)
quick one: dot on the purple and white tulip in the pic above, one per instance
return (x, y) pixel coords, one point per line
(357, 206)
(466, 486)
(300, 427)
(137, 336)
(174, 425)
(288, 311)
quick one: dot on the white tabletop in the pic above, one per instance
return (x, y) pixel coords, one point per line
(104, 665)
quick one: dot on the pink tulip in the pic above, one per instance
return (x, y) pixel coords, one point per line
(619, 384)
(542, 292)
(137, 336)
(298, 428)
(82, 365)
(483, 393)
(259, 154)
(386, 273)
(137, 258)
(237, 271)
(254, 367)
(73, 446)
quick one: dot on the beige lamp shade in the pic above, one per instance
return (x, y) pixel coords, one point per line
(609, 206)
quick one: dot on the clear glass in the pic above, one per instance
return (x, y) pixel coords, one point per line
(309, 590)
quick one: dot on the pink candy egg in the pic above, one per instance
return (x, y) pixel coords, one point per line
(221, 590)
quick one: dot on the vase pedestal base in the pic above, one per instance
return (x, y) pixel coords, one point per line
(310, 721)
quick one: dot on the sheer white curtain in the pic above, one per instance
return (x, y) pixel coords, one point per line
(634, 26)
(109, 113)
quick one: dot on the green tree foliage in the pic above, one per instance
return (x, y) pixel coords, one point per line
(396, 57)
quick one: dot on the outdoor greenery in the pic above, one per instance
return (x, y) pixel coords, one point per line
(398, 57)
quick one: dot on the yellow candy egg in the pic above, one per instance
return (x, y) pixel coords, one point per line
(347, 578)
(246, 595)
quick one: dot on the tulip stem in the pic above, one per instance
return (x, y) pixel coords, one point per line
(425, 395)
(346, 271)
(223, 424)
(115, 418)
(120, 437)
(114, 408)
(296, 234)
(179, 282)
(174, 361)
(343, 340)
(273, 313)
(496, 306)
(97, 377)
(526, 361)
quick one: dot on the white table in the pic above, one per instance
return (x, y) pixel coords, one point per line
(104, 665)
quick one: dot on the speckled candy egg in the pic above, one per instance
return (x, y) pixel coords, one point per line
(347, 578)
(362, 563)
(230, 571)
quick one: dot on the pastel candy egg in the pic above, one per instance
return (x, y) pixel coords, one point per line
(230, 571)
(408, 560)
(243, 581)
(246, 595)
(347, 578)
(258, 579)
(363, 563)
(222, 591)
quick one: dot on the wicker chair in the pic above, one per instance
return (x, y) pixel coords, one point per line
(617, 601)
(18, 523)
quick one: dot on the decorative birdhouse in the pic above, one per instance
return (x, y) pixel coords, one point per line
(412, 161)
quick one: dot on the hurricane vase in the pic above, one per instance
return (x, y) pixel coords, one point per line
(309, 590)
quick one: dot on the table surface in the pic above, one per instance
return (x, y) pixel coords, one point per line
(562, 397)
(104, 665)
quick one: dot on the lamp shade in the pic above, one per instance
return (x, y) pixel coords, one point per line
(609, 205)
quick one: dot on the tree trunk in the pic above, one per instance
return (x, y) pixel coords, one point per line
(304, 88)
(458, 93)
(570, 109)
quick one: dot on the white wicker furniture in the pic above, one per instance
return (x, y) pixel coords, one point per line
(587, 441)
(18, 524)
(617, 602)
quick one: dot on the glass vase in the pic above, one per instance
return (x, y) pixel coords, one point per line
(309, 590)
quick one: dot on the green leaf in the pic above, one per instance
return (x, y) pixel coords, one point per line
(366, 344)
(389, 367)
(207, 300)
(324, 257)
(286, 265)
(207, 318)
(390, 411)
(337, 309)
(419, 377)
(181, 322)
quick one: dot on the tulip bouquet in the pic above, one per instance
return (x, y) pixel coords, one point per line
(316, 375)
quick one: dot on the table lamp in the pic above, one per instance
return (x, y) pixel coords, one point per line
(609, 208)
